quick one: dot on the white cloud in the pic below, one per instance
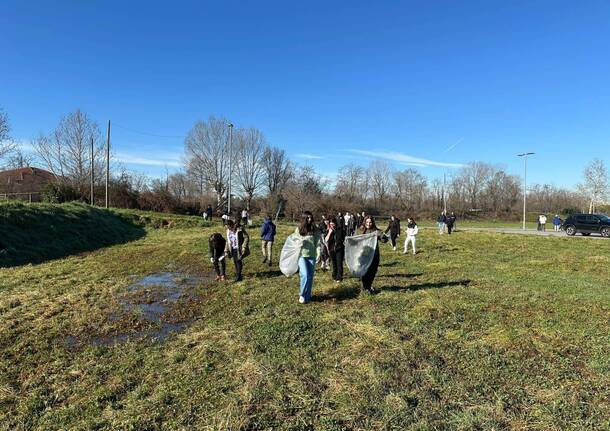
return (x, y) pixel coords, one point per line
(308, 156)
(137, 160)
(406, 159)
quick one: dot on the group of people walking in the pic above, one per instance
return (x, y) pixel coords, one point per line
(324, 243)
(327, 241)
(411, 233)
(446, 221)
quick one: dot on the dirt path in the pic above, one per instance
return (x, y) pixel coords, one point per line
(519, 231)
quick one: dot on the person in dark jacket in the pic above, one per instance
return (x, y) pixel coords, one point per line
(394, 229)
(451, 222)
(367, 279)
(267, 237)
(217, 245)
(237, 246)
(209, 212)
(335, 238)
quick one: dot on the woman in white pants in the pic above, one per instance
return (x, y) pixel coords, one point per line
(412, 231)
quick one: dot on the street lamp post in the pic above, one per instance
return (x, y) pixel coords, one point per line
(524, 155)
(230, 125)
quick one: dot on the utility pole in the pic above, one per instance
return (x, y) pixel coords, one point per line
(107, 161)
(230, 125)
(444, 192)
(524, 155)
(92, 174)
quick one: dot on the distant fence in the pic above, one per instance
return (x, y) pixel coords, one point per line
(27, 197)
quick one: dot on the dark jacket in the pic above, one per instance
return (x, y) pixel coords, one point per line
(393, 227)
(268, 230)
(442, 218)
(451, 220)
(216, 245)
(336, 240)
(243, 243)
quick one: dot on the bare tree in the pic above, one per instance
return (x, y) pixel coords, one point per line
(178, 185)
(350, 180)
(410, 186)
(278, 170)
(379, 178)
(207, 155)
(250, 170)
(19, 159)
(596, 183)
(66, 151)
(305, 191)
(6, 143)
(474, 179)
(502, 192)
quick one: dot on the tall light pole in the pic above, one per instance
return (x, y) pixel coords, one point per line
(445, 192)
(524, 155)
(230, 125)
(107, 163)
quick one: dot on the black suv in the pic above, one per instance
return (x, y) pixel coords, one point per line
(586, 224)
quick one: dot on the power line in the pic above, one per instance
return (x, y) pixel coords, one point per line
(147, 133)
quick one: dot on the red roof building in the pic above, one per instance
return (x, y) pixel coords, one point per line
(24, 184)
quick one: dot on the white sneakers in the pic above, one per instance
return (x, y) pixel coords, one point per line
(301, 300)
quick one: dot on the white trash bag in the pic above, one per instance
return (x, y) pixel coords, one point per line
(289, 258)
(359, 253)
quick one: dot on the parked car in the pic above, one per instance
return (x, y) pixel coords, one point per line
(586, 224)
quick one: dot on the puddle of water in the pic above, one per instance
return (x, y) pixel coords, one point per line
(152, 300)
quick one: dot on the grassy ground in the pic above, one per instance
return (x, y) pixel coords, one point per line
(478, 331)
(38, 232)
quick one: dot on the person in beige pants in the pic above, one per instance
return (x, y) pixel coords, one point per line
(267, 237)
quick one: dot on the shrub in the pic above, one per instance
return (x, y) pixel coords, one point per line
(58, 193)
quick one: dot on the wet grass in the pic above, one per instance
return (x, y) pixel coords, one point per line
(478, 331)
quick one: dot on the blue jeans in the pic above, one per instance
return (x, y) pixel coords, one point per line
(307, 266)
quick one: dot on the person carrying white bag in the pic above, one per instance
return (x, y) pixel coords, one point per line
(362, 253)
(300, 253)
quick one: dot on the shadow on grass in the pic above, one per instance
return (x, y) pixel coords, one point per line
(338, 294)
(36, 233)
(389, 264)
(268, 274)
(398, 275)
(438, 285)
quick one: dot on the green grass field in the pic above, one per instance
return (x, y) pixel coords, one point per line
(478, 331)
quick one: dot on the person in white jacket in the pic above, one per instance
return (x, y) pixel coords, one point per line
(412, 231)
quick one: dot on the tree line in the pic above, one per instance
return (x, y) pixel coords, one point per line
(263, 178)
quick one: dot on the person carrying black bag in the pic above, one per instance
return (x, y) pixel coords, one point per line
(335, 238)
(394, 229)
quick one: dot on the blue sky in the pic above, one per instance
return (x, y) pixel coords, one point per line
(421, 84)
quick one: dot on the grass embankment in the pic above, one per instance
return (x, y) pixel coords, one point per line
(32, 233)
(479, 331)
